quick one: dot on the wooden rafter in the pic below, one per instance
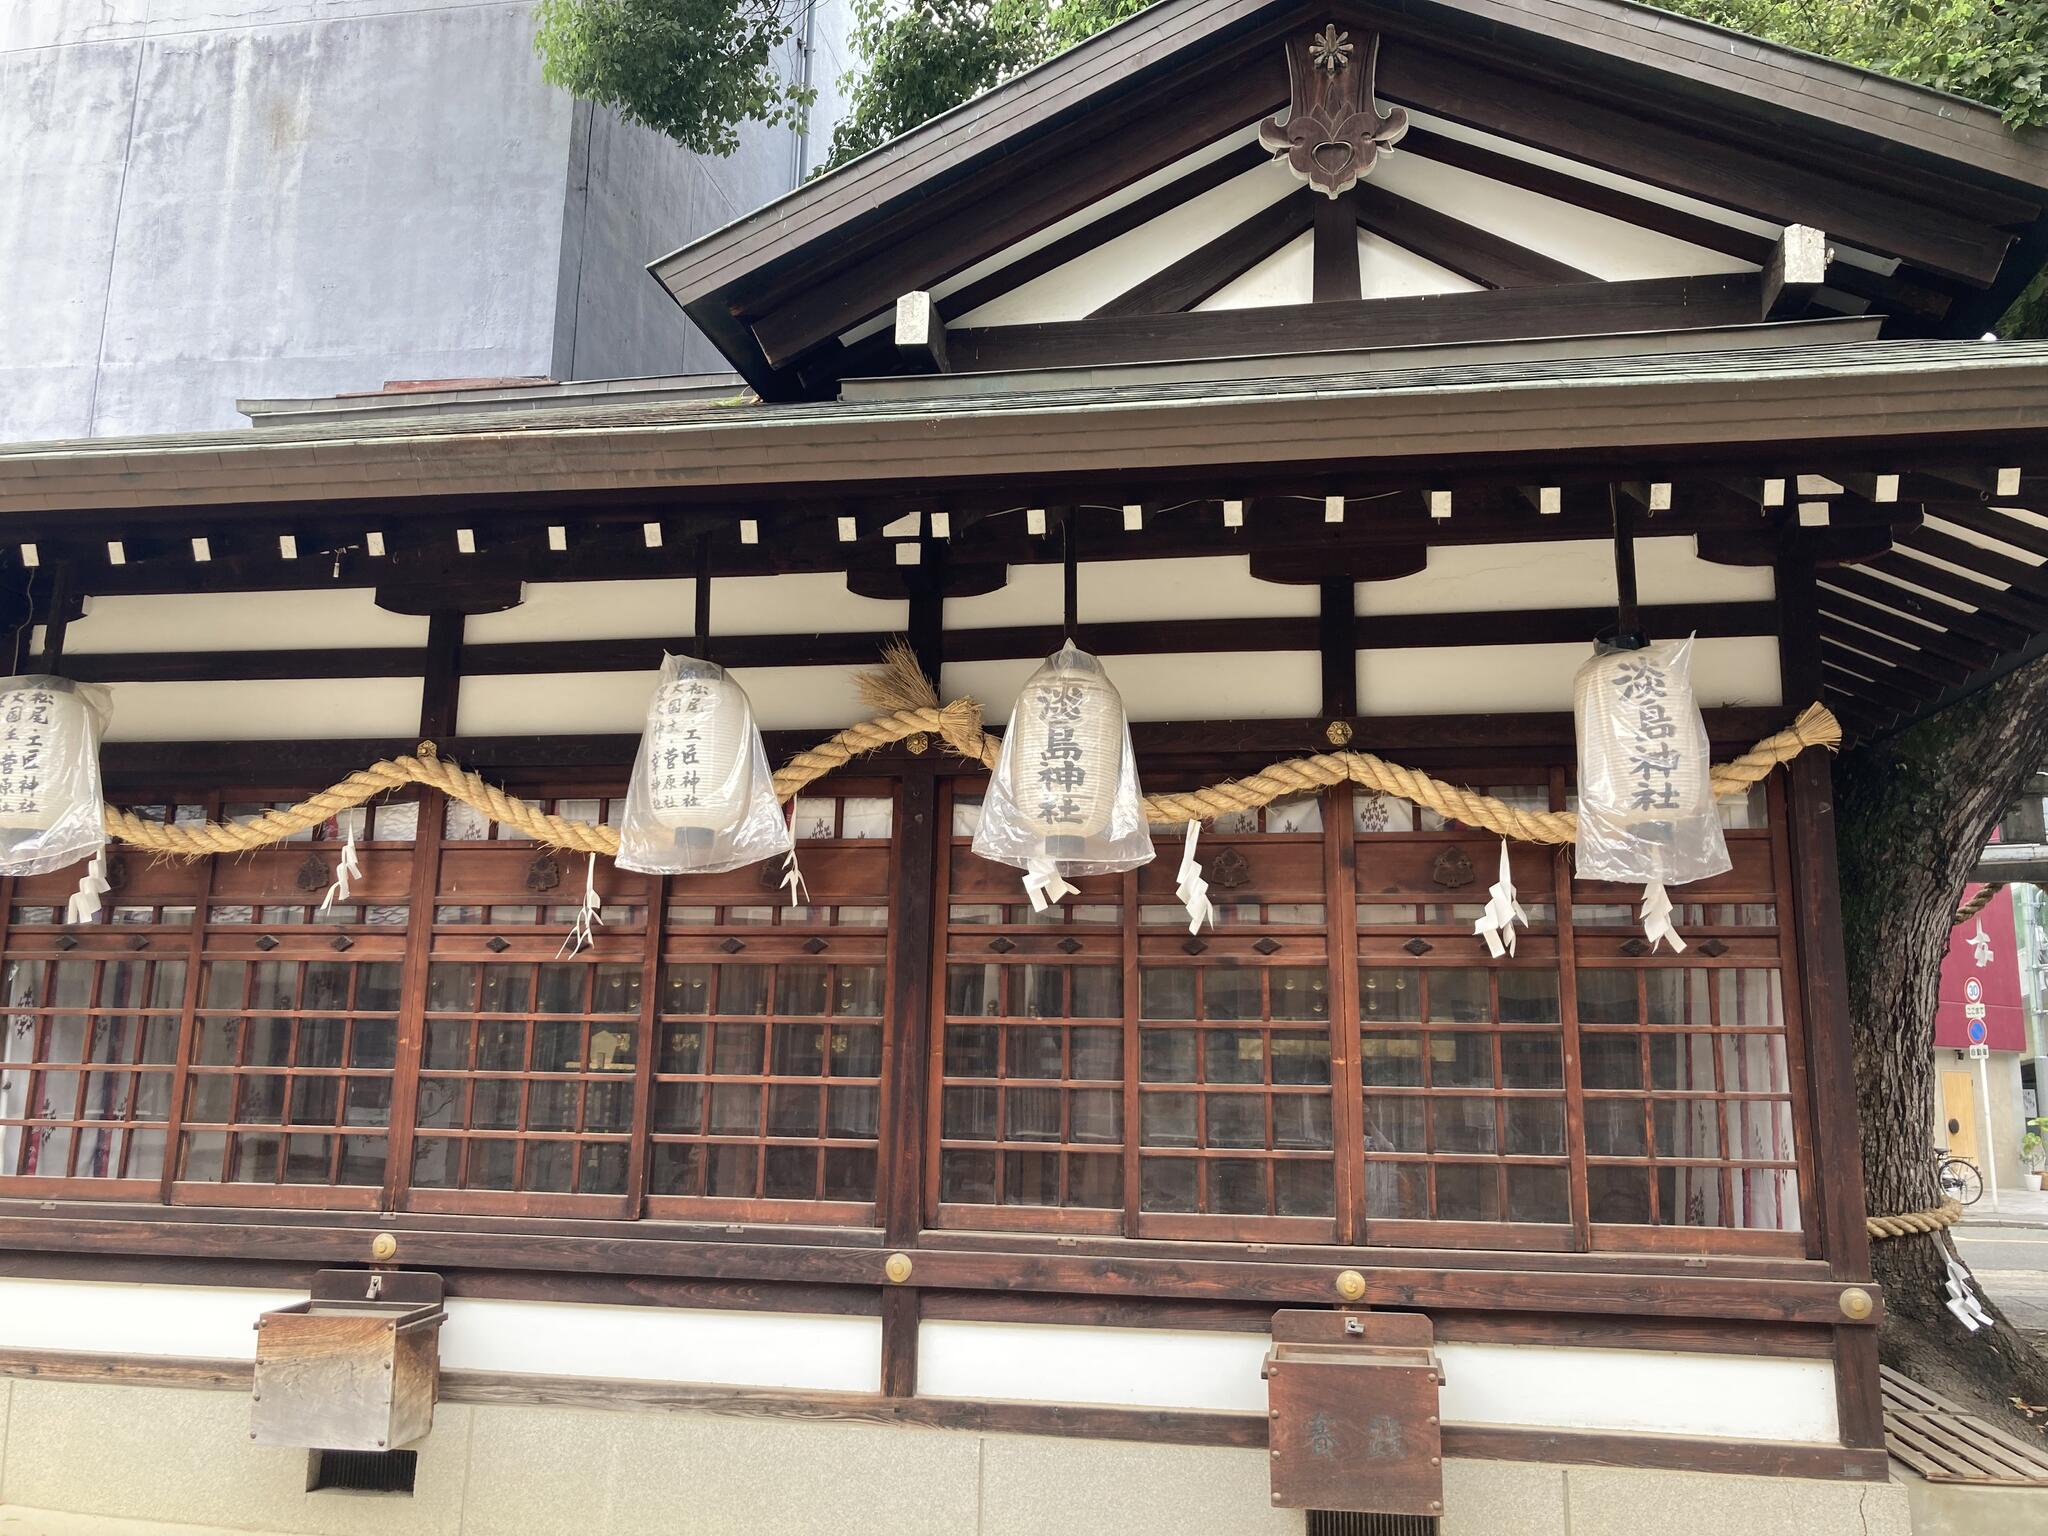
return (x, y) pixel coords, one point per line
(1200, 273)
(1478, 254)
(1678, 159)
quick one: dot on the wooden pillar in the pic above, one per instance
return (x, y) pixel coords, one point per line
(1337, 639)
(912, 925)
(59, 618)
(1823, 975)
(440, 688)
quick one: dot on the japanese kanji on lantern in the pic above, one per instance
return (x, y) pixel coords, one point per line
(50, 804)
(1646, 801)
(702, 799)
(1064, 799)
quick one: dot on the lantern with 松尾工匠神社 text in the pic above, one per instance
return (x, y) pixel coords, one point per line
(1064, 799)
(702, 799)
(1646, 800)
(51, 810)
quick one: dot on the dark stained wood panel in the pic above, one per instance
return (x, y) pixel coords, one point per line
(1582, 310)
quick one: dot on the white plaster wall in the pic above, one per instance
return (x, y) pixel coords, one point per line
(1514, 679)
(272, 709)
(1573, 573)
(1285, 277)
(740, 605)
(1126, 591)
(1741, 1397)
(1077, 288)
(593, 703)
(1197, 685)
(1390, 271)
(255, 621)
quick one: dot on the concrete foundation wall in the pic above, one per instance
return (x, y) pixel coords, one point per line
(209, 199)
(183, 1457)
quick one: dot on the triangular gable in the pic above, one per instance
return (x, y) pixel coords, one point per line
(1637, 170)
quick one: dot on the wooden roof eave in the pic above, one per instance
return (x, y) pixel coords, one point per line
(1916, 394)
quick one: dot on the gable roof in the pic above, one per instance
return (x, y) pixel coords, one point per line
(1601, 93)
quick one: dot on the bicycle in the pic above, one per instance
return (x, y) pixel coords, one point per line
(1958, 1179)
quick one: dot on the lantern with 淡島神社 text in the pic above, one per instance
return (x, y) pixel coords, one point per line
(702, 799)
(1064, 799)
(1646, 800)
(51, 813)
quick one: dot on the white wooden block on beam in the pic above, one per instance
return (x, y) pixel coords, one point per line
(202, 550)
(1886, 488)
(650, 534)
(2008, 482)
(1439, 504)
(1813, 514)
(1774, 492)
(1134, 517)
(1660, 495)
(942, 525)
(117, 552)
(465, 540)
(909, 552)
(1233, 514)
(558, 538)
(750, 531)
(920, 333)
(1333, 509)
(904, 527)
(374, 543)
(1034, 521)
(288, 546)
(1819, 485)
(1550, 500)
(849, 530)
(31, 556)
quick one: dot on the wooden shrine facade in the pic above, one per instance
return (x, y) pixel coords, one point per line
(1687, 344)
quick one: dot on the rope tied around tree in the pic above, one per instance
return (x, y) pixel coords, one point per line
(907, 706)
(1914, 1223)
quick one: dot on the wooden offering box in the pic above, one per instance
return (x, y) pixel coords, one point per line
(355, 1367)
(1354, 1413)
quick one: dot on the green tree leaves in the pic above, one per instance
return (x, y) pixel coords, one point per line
(692, 69)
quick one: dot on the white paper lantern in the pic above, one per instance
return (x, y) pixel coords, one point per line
(1646, 802)
(702, 798)
(50, 803)
(1064, 799)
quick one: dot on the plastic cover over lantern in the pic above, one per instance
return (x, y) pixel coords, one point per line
(1646, 803)
(1064, 799)
(702, 798)
(50, 804)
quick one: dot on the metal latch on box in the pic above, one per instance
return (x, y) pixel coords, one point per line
(354, 1367)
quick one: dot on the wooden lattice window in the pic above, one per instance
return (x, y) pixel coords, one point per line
(772, 1020)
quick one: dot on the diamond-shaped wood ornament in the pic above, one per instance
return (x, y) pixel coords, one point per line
(1713, 949)
(1193, 946)
(1266, 946)
(65, 941)
(1002, 946)
(815, 945)
(140, 941)
(1418, 946)
(267, 943)
(1636, 948)
(341, 943)
(1069, 945)
(497, 944)
(733, 946)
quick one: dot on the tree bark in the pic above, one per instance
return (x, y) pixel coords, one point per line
(1913, 814)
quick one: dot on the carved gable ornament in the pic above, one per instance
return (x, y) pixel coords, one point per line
(1333, 132)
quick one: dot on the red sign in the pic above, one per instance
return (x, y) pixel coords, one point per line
(1995, 987)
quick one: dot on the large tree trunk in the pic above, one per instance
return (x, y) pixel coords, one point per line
(1913, 814)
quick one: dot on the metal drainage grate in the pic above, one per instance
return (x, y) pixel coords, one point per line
(362, 1471)
(1344, 1522)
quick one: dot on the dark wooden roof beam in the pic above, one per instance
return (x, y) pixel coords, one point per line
(1585, 309)
(1902, 657)
(1993, 524)
(1680, 158)
(1185, 283)
(1466, 249)
(1977, 621)
(1850, 613)
(974, 222)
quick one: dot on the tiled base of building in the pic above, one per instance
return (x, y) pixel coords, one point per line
(147, 1461)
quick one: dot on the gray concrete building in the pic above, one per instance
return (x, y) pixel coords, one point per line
(206, 200)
